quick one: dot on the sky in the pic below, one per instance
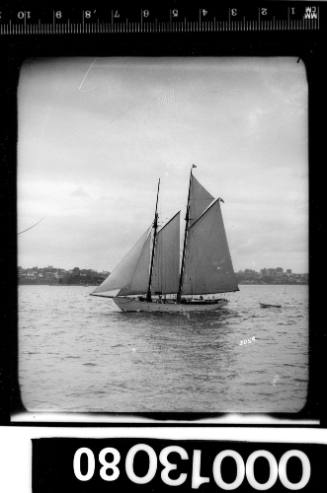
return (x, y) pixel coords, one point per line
(95, 134)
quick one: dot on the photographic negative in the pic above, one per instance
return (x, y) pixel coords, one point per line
(208, 311)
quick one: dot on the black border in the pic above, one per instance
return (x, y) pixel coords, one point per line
(55, 454)
(308, 46)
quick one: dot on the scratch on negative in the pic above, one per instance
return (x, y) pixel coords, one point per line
(86, 74)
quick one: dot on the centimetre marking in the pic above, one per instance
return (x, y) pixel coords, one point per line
(175, 24)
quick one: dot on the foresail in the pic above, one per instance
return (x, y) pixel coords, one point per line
(165, 276)
(200, 199)
(140, 278)
(131, 275)
(208, 265)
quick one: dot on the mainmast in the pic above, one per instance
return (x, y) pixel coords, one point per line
(187, 222)
(155, 227)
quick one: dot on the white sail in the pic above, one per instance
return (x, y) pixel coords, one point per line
(131, 275)
(208, 266)
(200, 199)
(165, 276)
(206, 262)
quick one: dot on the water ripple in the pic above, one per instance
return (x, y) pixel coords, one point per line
(79, 353)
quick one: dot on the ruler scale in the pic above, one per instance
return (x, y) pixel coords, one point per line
(266, 17)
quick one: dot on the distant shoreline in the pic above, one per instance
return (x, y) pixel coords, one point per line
(88, 277)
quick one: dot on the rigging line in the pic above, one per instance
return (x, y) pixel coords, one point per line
(187, 220)
(167, 222)
(155, 227)
(30, 227)
(218, 199)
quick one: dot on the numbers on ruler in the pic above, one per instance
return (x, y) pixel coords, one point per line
(311, 13)
(23, 14)
(145, 13)
(88, 14)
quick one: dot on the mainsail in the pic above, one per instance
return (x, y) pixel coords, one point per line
(132, 273)
(208, 265)
(165, 276)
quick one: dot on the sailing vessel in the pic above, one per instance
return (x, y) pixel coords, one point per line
(156, 276)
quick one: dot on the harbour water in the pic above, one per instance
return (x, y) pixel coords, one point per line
(79, 353)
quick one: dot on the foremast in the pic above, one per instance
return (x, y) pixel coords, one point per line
(155, 229)
(187, 222)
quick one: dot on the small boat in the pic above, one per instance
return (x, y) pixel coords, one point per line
(269, 305)
(155, 276)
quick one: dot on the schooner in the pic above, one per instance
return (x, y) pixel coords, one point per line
(156, 276)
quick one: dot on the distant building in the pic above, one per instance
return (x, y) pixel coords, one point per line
(51, 275)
